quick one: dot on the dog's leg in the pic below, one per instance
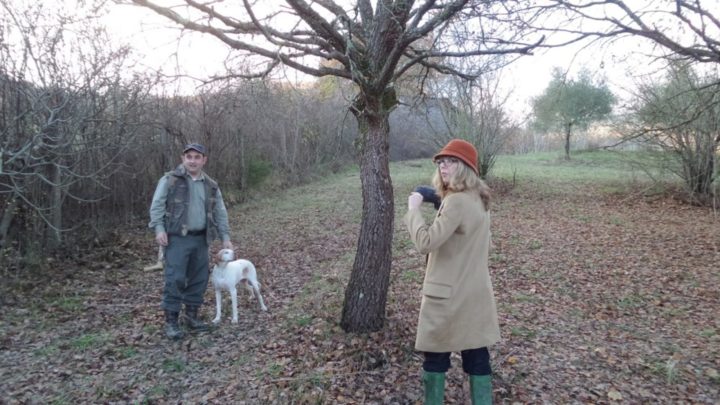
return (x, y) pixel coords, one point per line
(256, 293)
(233, 296)
(250, 289)
(218, 305)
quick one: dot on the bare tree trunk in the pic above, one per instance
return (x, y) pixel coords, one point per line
(243, 163)
(702, 173)
(568, 128)
(366, 293)
(55, 236)
(7, 218)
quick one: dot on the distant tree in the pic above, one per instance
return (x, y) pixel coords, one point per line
(567, 104)
(374, 47)
(681, 115)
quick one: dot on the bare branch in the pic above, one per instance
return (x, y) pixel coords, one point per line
(698, 42)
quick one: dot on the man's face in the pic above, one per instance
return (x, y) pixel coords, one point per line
(193, 162)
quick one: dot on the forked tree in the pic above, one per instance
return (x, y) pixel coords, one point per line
(375, 46)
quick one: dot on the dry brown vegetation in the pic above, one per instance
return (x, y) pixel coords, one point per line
(603, 298)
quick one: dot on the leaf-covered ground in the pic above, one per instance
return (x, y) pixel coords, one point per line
(603, 298)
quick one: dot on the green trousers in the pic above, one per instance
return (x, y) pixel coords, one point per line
(187, 270)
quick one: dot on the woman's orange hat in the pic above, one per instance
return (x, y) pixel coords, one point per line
(462, 150)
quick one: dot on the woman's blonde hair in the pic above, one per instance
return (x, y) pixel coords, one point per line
(464, 178)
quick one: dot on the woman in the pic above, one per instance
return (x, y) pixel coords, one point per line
(457, 312)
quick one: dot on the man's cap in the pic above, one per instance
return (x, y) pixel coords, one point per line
(194, 146)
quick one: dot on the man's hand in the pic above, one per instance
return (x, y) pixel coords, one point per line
(161, 238)
(228, 245)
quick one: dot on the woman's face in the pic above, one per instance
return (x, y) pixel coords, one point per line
(447, 166)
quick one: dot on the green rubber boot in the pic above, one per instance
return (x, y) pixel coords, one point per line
(481, 389)
(434, 387)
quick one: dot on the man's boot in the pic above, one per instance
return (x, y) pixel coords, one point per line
(172, 329)
(193, 321)
(481, 390)
(434, 387)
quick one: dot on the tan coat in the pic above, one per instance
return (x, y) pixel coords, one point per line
(457, 311)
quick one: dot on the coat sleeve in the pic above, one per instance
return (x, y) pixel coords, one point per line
(428, 238)
(221, 218)
(157, 207)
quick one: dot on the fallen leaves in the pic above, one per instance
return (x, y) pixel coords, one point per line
(614, 395)
(598, 301)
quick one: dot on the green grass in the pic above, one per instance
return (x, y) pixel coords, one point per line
(155, 392)
(608, 167)
(69, 304)
(88, 341)
(708, 333)
(47, 351)
(173, 365)
(126, 352)
(669, 369)
(303, 320)
(523, 332)
(525, 298)
(273, 370)
(630, 301)
(243, 358)
(61, 399)
(535, 244)
(82, 343)
(411, 276)
(608, 171)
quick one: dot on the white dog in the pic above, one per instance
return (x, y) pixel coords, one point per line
(227, 274)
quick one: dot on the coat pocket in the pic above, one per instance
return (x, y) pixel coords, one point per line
(436, 290)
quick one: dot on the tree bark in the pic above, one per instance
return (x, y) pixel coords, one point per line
(568, 129)
(7, 217)
(366, 292)
(55, 235)
(702, 172)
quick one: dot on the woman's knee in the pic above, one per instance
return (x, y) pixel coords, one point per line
(436, 362)
(476, 361)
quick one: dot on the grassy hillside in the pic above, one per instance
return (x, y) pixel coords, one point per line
(608, 167)
(604, 295)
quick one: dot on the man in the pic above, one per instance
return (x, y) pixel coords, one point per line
(187, 213)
